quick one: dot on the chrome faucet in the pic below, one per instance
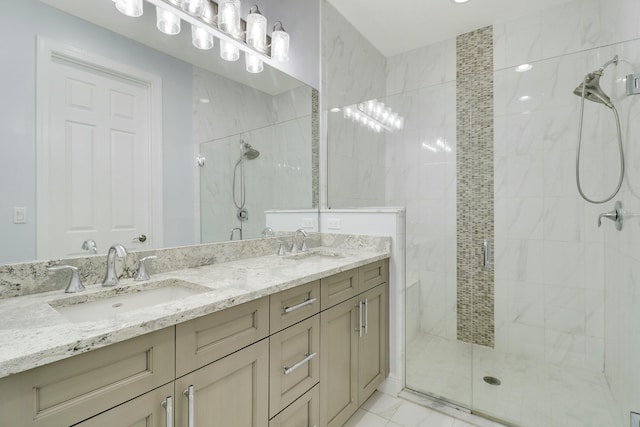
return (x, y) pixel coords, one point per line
(294, 245)
(268, 232)
(75, 284)
(233, 231)
(111, 277)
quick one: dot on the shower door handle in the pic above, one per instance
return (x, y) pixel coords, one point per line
(486, 249)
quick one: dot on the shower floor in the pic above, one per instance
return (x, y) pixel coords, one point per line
(533, 393)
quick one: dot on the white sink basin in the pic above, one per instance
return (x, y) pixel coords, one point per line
(112, 302)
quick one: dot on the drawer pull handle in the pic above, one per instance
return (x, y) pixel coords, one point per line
(297, 306)
(168, 406)
(191, 413)
(307, 357)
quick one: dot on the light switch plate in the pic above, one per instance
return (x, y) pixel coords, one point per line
(333, 223)
(19, 215)
(307, 222)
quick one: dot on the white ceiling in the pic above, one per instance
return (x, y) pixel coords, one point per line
(396, 26)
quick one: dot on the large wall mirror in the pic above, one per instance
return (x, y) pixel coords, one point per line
(114, 132)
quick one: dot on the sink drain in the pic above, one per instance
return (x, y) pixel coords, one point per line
(492, 380)
(116, 305)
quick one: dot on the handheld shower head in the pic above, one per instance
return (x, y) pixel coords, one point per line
(591, 89)
(590, 86)
(248, 151)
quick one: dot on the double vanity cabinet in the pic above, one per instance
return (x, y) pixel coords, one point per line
(306, 356)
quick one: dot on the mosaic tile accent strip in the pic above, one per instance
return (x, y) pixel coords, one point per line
(474, 104)
(315, 148)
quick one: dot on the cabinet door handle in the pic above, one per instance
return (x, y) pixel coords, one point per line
(307, 357)
(191, 412)
(359, 328)
(365, 325)
(297, 306)
(168, 406)
(486, 249)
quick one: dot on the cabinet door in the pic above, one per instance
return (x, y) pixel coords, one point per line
(339, 363)
(295, 366)
(232, 392)
(303, 412)
(143, 411)
(372, 346)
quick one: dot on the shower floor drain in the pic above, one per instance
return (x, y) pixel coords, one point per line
(492, 380)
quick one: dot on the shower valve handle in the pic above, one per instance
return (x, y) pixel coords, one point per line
(615, 215)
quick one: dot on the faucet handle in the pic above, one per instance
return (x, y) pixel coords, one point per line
(142, 271)
(282, 251)
(75, 284)
(294, 245)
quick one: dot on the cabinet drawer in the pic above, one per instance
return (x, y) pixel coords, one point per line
(303, 412)
(74, 389)
(293, 305)
(338, 288)
(145, 410)
(209, 338)
(294, 361)
(374, 274)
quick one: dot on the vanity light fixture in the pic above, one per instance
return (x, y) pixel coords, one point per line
(375, 116)
(256, 37)
(167, 22)
(279, 43)
(220, 20)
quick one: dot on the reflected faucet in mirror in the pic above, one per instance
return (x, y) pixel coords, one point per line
(111, 277)
(90, 245)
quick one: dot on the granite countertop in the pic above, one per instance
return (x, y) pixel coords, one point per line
(33, 333)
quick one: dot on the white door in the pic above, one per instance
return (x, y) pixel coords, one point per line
(98, 155)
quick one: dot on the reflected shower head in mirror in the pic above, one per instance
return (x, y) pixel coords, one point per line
(248, 151)
(590, 86)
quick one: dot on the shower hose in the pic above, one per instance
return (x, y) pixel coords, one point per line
(615, 113)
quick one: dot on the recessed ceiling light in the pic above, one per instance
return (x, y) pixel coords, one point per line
(523, 67)
(335, 109)
(459, 1)
(204, 101)
(524, 98)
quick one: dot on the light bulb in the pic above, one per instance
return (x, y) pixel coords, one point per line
(131, 8)
(229, 16)
(193, 7)
(201, 38)
(167, 22)
(228, 51)
(279, 43)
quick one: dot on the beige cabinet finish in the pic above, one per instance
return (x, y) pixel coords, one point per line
(303, 412)
(143, 411)
(339, 363)
(234, 391)
(294, 360)
(209, 338)
(372, 346)
(293, 305)
(354, 343)
(339, 287)
(71, 390)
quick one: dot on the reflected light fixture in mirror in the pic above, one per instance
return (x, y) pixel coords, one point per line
(375, 116)
(228, 51)
(131, 8)
(167, 22)
(193, 7)
(201, 38)
(256, 37)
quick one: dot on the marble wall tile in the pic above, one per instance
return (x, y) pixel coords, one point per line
(353, 69)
